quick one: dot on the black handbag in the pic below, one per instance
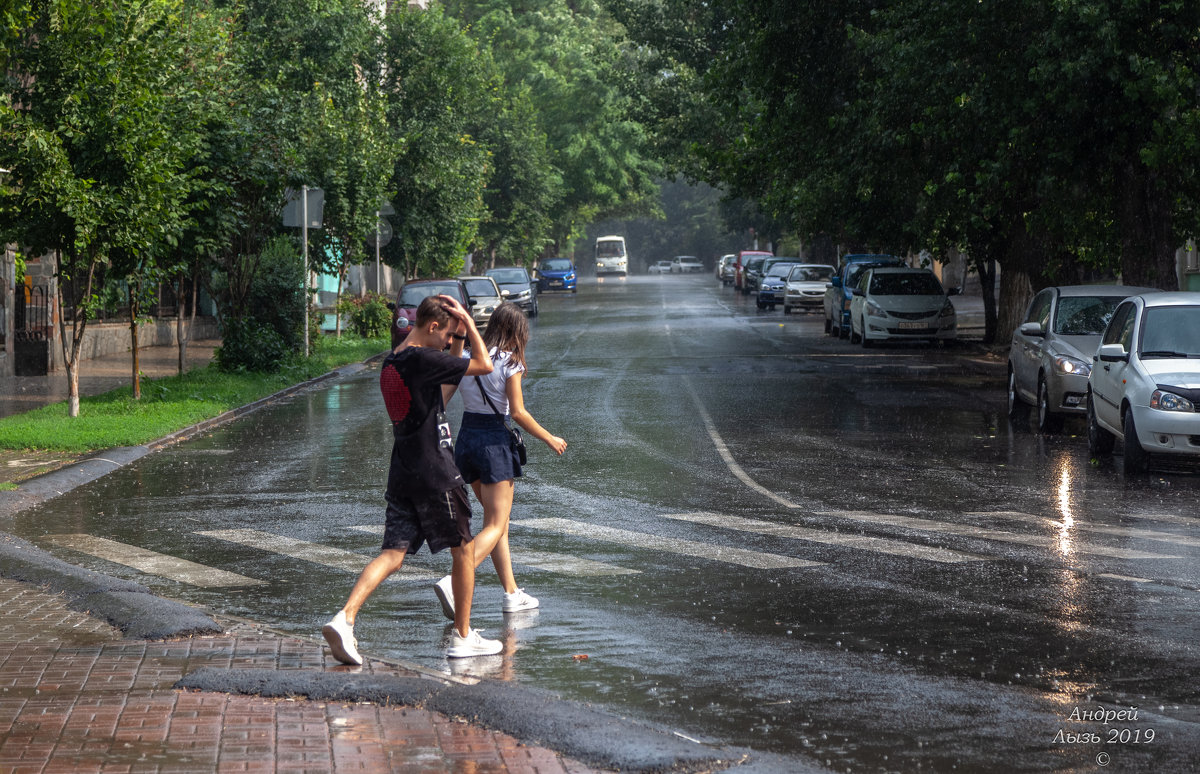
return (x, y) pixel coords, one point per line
(518, 443)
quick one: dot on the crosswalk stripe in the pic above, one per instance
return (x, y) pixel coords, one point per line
(864, 542)
(756, 559)
(1103, 529)
(326, 556)
(151, 562)
(545, 560)
(965, 530)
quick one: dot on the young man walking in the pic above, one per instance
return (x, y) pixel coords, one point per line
(426, 498)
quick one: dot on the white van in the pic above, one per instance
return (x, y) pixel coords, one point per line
(610, 256)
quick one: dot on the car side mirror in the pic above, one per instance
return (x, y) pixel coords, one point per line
(954, 291)
(856, 292)
(1112, 353)
(391, 306)
(1032, 329)
(836, 282)
(505, 293)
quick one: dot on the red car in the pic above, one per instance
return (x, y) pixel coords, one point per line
(739, 265)
(404, 311)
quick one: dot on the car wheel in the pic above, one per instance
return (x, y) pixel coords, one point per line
(1100, 441)
(854, 337)
(863, 336)
(787, 309)
(1017, 408)
(843, 331)
(1136, 459)
(1048, 421)
(828, 326)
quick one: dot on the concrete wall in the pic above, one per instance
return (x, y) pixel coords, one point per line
(112, 338)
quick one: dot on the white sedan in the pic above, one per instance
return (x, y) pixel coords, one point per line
(900, 303)
(1144, 387)
(682, 264)
(662, 267)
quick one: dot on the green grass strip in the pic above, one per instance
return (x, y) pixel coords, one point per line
(169, 404)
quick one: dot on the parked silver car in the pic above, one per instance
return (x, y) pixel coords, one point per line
(1144, 387)
(1051, 353)
(485, 293)
(806, 285)
(517, 286)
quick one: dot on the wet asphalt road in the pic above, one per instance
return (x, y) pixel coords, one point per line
(759, 536)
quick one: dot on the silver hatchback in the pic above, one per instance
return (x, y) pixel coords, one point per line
(1051, 353)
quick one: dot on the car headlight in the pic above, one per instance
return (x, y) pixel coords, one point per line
(524, 293)
(875, 310)
(402, 322)
(1070, 365)
(947, 309)
(570, 276)
(1169, 401)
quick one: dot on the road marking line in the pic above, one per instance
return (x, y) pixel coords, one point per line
(1130, 578)
(727, 456)
(1104, 529)
(1054, 543)
(152, 562)
(864, 542)
(326, 556)
(544, 560)
(718, 553)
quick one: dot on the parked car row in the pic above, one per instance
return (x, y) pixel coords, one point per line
(1126, 358)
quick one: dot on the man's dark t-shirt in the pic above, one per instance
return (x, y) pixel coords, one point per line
(411, 381)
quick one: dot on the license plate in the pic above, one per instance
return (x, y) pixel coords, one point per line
(912, 326)
(556, 283)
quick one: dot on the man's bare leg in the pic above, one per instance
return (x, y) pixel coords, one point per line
(462, 580)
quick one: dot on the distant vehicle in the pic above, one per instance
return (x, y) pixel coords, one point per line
(726, 268)
(1051, 353)
(892, 302)
(517, 286)
(660, 267)
(404, 311)
(739, 265)
(750, 272)
(685, 264)
(773, 283)
(806, 284)
(485, 295)
(610, 256)
(557, 274)
(1144, 387)
(836, 303)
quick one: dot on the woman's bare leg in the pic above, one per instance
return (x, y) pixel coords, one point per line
(497, 500)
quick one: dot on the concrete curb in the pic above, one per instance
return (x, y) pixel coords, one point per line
(125, 605)
(573, 729)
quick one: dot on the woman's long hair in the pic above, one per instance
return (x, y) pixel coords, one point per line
(508, 331)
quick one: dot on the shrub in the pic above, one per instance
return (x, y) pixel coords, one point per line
(250, 345)
(369, 315)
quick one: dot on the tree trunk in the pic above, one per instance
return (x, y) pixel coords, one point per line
(986, 268)
(1147, 240)
(78, 326)
(133, 339)
(180, 343)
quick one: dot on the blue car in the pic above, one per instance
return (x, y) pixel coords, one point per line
(557, 274)
(838, 292)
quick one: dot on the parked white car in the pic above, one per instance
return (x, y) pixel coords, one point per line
(806, 285)
(682, 264)
(901, 303)
(1145, 382)
(660, 267)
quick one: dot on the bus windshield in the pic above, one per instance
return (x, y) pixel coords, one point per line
(610, 248)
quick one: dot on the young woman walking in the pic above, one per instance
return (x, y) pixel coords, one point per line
(484, 453)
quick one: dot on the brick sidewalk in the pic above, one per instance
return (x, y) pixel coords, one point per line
(76, 697)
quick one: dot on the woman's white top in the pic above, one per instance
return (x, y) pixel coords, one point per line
(503, 367)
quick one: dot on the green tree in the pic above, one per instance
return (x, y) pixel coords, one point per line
(438, 87)
(95, 136)
(571, 56)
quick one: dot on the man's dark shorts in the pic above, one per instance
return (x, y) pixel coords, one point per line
(441, 519)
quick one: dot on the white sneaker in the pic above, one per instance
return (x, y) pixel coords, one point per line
(472, 645)
(445, 594)
(340, 636)
(518, 601)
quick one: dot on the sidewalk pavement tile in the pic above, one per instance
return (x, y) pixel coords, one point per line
(75, 697)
